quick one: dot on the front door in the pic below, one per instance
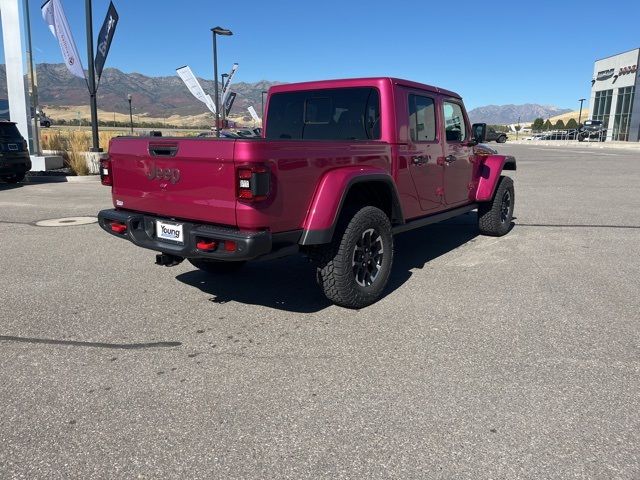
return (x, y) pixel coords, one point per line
(423, 149)
(458, 154)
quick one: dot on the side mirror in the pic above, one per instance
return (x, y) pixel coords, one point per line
(479, 132)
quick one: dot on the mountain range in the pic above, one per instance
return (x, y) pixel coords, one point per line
(509, 114)
(165, 96)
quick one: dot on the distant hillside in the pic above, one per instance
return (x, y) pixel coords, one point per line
(155, 96)
(506, 114)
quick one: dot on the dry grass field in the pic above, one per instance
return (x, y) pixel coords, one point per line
(82, 112)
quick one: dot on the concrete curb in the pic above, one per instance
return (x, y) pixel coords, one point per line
(62, 179)
(573, 144)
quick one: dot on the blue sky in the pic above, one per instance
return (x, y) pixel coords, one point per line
(489, 52)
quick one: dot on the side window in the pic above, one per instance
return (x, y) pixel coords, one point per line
(454, 126)
(422, 119)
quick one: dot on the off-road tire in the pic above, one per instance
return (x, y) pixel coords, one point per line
(215, 266)
(15, 178)
(337, 272)
(501, 139)
(494, 217)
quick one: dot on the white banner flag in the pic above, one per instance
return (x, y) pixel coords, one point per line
(53, 14)
(253, 113)
(194, 87)
(226, 87)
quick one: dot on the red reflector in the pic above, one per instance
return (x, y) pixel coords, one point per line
(230, 246)
(245, 193)
(118, 227)
(206, 245)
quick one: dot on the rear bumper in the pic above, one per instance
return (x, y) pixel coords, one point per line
(141, 231)
(12, 164)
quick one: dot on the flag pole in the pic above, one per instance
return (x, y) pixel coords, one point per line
(92, 80)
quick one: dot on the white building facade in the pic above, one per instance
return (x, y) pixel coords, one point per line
(615, 98)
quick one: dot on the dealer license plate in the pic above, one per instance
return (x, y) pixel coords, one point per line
(169, 231)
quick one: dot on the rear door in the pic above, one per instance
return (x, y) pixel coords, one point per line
(458, 154)
(422, 150)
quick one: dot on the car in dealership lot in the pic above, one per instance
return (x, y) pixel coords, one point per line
(592, 130)
(15, 161)
(342, 166)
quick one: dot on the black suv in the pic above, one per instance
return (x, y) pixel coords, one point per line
(14, 154)
(592, 129)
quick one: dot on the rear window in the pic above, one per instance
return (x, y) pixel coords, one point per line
(9, 130)
(331, 114)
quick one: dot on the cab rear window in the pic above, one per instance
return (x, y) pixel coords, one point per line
(329, 114)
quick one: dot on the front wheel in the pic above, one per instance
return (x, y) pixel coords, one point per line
(216, 266)
(494, 217)
(354, 269)
(501, 139)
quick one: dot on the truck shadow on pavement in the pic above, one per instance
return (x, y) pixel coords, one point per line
(289, 284)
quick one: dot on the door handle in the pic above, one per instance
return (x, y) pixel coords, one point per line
(420, 159)
(449, 159)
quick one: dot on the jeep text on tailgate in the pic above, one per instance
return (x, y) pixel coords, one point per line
(341, 167)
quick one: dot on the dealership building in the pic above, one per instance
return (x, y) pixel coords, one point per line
(614, 98)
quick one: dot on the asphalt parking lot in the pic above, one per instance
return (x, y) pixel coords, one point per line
(516, 357)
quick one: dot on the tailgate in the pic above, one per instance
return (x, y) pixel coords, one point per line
(184, 178)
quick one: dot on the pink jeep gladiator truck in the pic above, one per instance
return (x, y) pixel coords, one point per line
(341, 167)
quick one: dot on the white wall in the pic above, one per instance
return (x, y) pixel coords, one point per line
(14, 61)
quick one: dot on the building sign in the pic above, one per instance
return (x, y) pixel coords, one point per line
(605, 74)
(628, 70)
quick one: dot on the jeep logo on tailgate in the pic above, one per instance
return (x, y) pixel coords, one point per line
(170, 174)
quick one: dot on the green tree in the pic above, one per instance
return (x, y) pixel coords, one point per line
(572, 123)
(559, 125)
(538, 124)
(547, 125)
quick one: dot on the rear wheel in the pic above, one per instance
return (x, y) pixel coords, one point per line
(354, 269)
(216, 266)
(15, 178)
(494, 217)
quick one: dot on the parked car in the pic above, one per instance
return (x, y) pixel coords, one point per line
(44, 120)
(15, 161)
(558, 135)
(343, 165)
(592, 130)
(492, 134)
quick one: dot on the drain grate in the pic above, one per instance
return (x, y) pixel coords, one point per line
(66, 222)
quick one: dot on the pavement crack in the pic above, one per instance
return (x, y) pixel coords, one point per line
(77, 343)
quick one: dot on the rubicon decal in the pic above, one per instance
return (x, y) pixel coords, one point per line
(170, 174)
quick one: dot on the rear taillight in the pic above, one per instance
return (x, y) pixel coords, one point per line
(118, 227)
(253, 182)
(105, 172)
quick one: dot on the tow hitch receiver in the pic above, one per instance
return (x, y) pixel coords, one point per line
(167, 260)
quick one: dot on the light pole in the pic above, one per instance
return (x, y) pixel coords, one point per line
(224, 113)
(262, 93)
(518, 128)
(92, 80)
(581, 100)
(217, 31)
(130, 113)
